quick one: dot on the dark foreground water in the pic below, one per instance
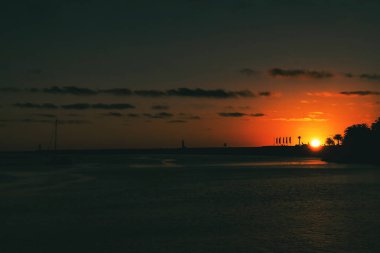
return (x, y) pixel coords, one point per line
(191, 204)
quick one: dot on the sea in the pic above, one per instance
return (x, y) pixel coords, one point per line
(186, 203)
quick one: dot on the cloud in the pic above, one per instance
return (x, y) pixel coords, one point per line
(202, 93)
(349, 75)
(265, 94)
(117, 92)
(150, 93)
(113, 114)
(133, 115)
(240, 114)
(360, 93)
(161, 115)
(77, 106)
(179, 92)
(45, 115)
(232, 114)
(257, 115)
(32, 120)
(275, 72)
(113, 106)
(373, 77)
(160, 107)
(247, 71)
(69, 90)
(188, 116)
(84, 106)
(36, 106)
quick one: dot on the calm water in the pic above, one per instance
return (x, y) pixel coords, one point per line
(169, 203)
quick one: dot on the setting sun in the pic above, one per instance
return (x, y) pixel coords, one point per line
(315, 143)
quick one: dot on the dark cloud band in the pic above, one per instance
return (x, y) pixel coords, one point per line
(239, 114)
(360, 93)
(77, 106)
(278, 72)
(180, 92)
(373, 77)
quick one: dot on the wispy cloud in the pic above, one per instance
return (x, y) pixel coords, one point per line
(360, 93)
(113, 106)
(373, 77)
(150, 93)
(349, 75)
(113, 114)
(257, 115)
(36, 106)
(160, 107)
(179, 92)
(117, 92)
(265, 94)
(160, 115)
(33, 120)
(202, 93)
(73, 90)
(188, 116)
(77, 106)
(239, 114)
(133, 115)
(278, 72)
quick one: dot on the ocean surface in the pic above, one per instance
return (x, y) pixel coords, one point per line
(186, 203)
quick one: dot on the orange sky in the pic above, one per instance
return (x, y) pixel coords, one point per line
(311, 108)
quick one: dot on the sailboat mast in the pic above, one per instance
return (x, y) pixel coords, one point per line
(55, 134)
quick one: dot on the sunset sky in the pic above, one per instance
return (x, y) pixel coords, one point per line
(141, 74)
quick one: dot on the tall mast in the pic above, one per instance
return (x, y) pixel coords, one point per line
(55, 134)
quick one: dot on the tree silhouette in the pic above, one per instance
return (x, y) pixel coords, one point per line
(329, 142)
(375, 129)
(338, 138)
(376, 125)
(359, 145)
(357, 136)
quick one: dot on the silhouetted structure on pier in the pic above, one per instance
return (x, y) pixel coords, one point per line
(283, 141)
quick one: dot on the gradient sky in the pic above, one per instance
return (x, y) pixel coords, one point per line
(126, 74)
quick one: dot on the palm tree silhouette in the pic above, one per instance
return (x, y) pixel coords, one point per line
(338, 138)
(329, 142)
